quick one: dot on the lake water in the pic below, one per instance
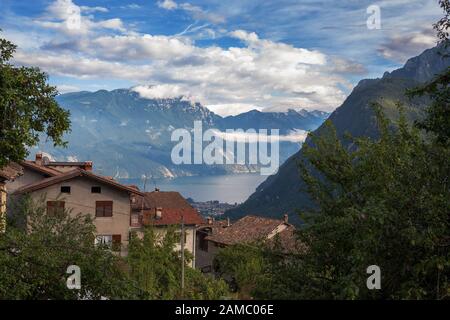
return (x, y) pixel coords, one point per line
(226, 188)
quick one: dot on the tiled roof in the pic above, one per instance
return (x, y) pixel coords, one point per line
(172, 216)
(287, 240)
(214, 226)
(164, 199)
(247, 229)
(172, 205)
(73, 174)
(10, 171)
(41, 169)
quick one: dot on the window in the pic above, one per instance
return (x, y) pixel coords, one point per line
(206, 269)
(178, 233)
(65, 189)
(135, 220)
(202, 242)
(55, 207)
(104, 240)
(116, 242)
(103, 208)
(113, 241)
(96, 189)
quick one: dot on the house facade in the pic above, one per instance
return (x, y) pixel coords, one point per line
(215, 235)
(163, 209)
(7, 174)
(81, 192)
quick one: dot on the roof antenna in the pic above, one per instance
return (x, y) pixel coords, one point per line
(154, 182)
(144, 179)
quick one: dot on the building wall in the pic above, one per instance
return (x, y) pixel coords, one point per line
(81, 200)
(189, 245)
(204, 259)
(28, 177)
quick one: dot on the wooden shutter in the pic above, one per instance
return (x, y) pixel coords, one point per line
(103, 208)
(116, 242)
(55, 207)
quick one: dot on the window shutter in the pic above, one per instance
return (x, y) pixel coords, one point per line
(98, 210)
(116, 242)
(54, 207)
(108, 209)
(103, 208)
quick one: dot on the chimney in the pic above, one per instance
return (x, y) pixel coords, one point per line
(228, 222)
(285, 218)
(88, 166)
(210, 220)
(38, 160)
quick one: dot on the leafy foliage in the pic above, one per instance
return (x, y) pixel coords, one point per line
(381, 202)
(34, 260)
(155, 267)
(387, 204)
(27, 108)
(244, 267)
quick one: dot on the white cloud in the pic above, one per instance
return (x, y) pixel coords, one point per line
(131, 6)
(114, 24)
(296, 136)
(167, 4)
(93, 9)
(400, 47)
(199, 14)
(249, 37)
(231, 109)
(162, 91)
(139, 47)
(260, 74)
(66, 17)
(263, 73)
(64, 88)
(196, 12)
(73, 66)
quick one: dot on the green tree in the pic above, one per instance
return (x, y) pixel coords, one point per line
(244, 266)
(27, 108)
(437, 117)
(386, 204)
(155, 267)
(34, 259)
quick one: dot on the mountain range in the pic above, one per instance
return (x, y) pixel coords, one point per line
(284, 192)
(126, 135)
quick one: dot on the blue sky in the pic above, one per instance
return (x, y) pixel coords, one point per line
(231, 55)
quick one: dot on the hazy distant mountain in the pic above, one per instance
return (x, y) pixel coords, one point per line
(127, 135)
(281, 193)
(285, 121)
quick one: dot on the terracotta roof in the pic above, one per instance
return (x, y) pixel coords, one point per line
(247, 229)
(41, 169)
(172, 205)
(11, 171)
(164, 199)
(73, 174)
(287, 239)
(214, 226)
(172, 216)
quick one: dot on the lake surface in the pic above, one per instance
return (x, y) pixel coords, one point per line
(226, 188)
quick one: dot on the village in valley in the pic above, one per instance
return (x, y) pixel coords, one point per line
(118, 210)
